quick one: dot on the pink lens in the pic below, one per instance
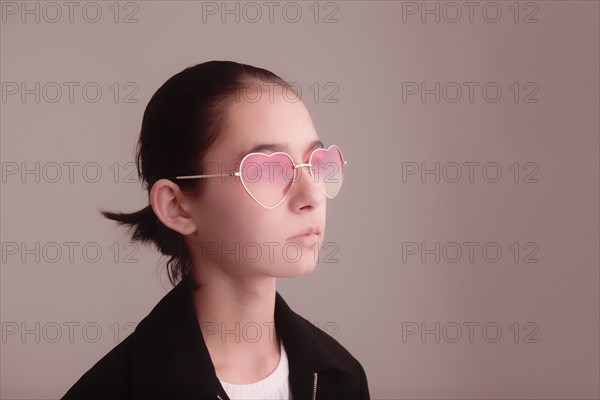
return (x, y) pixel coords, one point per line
(267, 178)
(328, 170)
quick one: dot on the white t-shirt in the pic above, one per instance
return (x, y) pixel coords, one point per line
(274, 386)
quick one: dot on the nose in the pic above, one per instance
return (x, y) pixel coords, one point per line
(305, 190)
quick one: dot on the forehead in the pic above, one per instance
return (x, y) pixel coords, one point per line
(267, 118)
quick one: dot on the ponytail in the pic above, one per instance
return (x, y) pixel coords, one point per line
(145, 227)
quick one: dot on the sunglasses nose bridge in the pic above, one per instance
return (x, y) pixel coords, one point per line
(298, 167)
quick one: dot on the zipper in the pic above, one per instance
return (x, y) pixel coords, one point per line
(219, 396)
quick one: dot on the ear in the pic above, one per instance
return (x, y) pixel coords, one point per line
(170, 206)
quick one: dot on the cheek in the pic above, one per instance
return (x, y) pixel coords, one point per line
(229, 214)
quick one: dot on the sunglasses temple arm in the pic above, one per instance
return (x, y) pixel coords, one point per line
(207, 176)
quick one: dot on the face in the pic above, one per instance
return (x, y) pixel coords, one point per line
(235, 233)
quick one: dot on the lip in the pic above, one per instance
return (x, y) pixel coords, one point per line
(306, 232)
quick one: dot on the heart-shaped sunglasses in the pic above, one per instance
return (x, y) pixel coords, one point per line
(268, 178)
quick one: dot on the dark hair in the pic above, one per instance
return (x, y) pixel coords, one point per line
(183, 119)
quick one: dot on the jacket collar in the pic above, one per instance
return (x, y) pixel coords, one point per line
(169, 358)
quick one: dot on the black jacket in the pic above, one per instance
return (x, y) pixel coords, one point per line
(166, 358)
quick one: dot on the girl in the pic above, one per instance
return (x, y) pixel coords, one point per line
(237, 179)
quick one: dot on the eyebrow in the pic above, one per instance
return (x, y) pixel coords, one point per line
(277, 147)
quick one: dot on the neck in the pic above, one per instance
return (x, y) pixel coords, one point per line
(236, 316)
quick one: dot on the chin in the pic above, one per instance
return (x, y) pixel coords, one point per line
(299, 268)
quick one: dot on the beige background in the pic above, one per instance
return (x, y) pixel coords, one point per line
(368, 60)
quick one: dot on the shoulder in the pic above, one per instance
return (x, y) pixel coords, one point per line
(339, 368)
(312, 343)
(325, 342)
(108, 378)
